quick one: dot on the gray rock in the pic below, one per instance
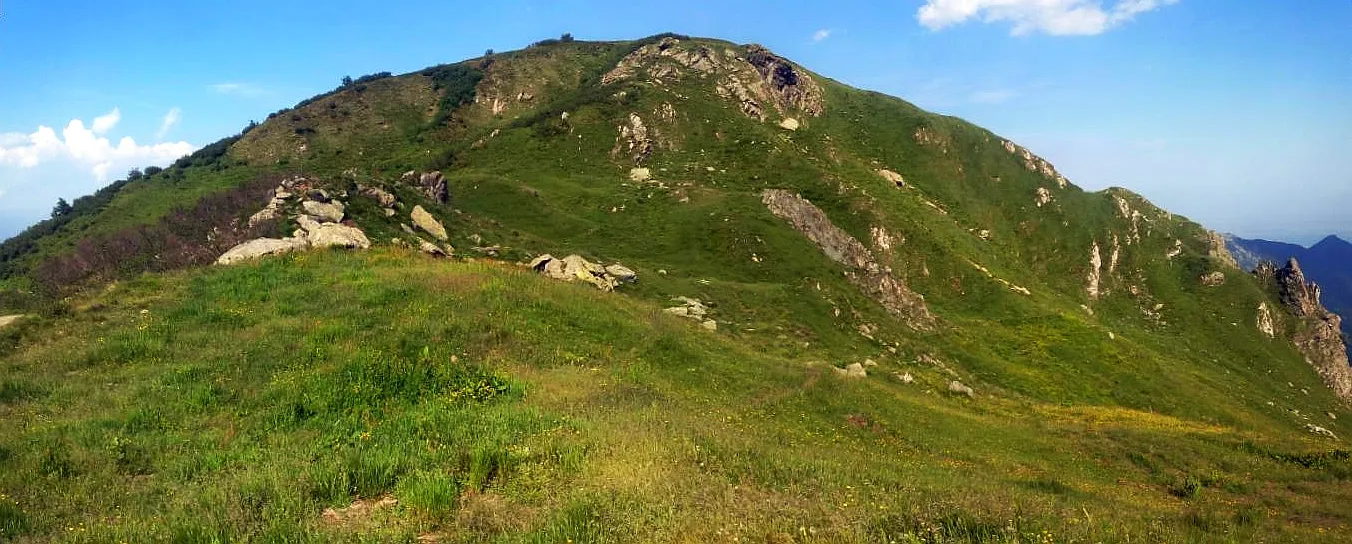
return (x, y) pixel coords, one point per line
(428, 224)
(433, 184)
(709, 325)
(621, 273)
(324, 212)
(7, 320)
(431, 248)
(854, 370)
(335, 235)
(261, 247)
(956, 387)
(385, 198)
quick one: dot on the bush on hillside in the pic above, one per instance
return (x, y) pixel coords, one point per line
(183, 238)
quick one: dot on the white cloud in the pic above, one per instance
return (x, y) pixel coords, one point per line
(171, 120)
(105, 123)
(821, 35)
(239, 89)
(1053, 17)
(86, 148)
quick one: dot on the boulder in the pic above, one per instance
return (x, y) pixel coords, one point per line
(433, 184)
(265, 215)
(957, 388)
(709, 325)
(318, 195)
(383, 197)
(854, 370)
(335, 235)
(640, 174)
(261, 247)
(431, 248)
(789, 124)
(428, 224)
(892, 177)
(7, 320)
(621, 273)
(324, 212)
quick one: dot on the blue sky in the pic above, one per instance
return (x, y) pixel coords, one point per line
(1237, 114)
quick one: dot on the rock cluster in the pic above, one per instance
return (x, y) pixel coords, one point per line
(634, 139)
(1213, 279)
(319, 218)
(1035, 163)
(756, 79)
(957, 388)
(693, 308)
(576, 268)
(864, 271)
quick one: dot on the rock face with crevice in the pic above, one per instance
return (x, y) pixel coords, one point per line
(863, 269)
(754, 78)
(1318, 335)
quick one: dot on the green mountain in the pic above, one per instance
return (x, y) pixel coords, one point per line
(823, 315)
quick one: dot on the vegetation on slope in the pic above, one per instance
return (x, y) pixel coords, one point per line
(239, 403)
(245, 396)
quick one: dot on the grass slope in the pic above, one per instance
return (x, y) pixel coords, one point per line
(236, 404)
(498, 407)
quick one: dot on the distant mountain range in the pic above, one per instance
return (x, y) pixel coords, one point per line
(1328, 263)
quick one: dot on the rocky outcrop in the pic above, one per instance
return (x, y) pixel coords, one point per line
(790, 89)
(1043, 197)
(1218, 251)
(262, 247)
(432, 184)
(1213, 279)
(1318, 336)
(863, 269)
(694, 309)
(1094, 278)
(576, 268)
(634, 140)
(1265, 323)
(1035, 163)
(893, 177)
(428, 224)
(1299, 296)
(755, 79)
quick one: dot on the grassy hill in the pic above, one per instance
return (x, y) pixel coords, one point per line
(1118, 396)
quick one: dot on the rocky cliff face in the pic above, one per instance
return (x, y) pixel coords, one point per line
(1318, 336)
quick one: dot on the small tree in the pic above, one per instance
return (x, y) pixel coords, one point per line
(134, 174)
(62, 208)
(152, 170)
(567, 37)
(488, 53)
(347, 81)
